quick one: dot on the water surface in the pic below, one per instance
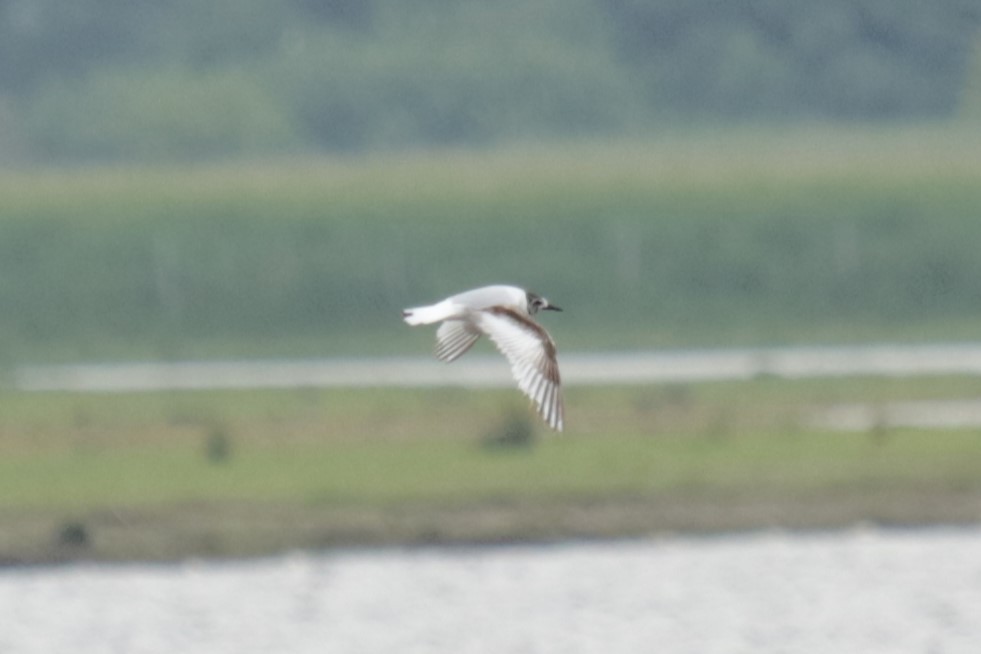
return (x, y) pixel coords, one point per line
(865, 591)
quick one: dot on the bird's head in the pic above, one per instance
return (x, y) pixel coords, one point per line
(537, 303)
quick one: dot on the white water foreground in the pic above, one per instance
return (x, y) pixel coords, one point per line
(863, 590)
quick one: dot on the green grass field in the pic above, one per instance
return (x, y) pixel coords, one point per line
(762, 237)
(227, 473)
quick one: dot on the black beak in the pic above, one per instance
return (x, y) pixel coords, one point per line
(552, 307)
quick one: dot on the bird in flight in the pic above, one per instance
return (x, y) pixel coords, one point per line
(503, 314)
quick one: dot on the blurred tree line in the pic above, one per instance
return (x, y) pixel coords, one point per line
(183, 79)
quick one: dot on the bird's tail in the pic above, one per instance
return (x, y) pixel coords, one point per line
(429, 315)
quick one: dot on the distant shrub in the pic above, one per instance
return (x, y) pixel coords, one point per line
(72, 534)
(515, 431)
(218, 445)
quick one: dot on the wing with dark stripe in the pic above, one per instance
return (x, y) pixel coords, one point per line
(531, 352)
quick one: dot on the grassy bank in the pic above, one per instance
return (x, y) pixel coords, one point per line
(756, 237)
(228, 473)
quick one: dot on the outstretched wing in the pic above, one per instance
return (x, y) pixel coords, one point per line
(454, 338)
(531, 352)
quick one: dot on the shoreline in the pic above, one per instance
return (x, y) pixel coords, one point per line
(239, 530)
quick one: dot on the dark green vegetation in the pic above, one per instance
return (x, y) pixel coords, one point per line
(746, 237)
(109, 80)
(133, 476)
